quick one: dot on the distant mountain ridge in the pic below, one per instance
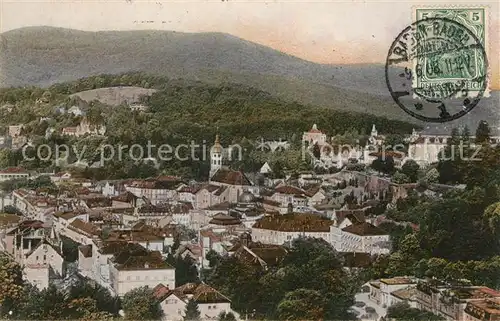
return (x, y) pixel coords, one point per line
(45, 55)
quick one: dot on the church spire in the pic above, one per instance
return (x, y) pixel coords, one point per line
(215, 155)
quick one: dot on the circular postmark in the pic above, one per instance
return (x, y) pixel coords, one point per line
(436, 70)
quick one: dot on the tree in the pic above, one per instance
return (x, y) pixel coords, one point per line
(403, 311)
(213, 258)
(226, 316)
(191, 313)
(185, 271)
(400, 178)
(103, 299)
(140, 304)
(9, 209)
(411, 169)
(383, 164)
(316, 151)
(11, 283)
(449, 166)
(431, 176)
(302, 304)
(483, 133)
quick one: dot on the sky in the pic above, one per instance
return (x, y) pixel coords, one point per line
(337, 32)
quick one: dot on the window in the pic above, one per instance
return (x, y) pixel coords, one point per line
(128, 278)
(137, 277)
(36, 258)
(209, 307)
(45, 257)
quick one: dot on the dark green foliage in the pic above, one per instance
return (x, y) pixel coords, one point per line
(402, 311)
(192, 312)
(411, 169)
(90, 289)
(226, 316)
(85, 300)
(277, 292)
(483, 132)
(316, 151)
(140, 304)
(69, 249)
(185, 271)
(383, 164)
(37, 183)
(9, 209)
(213, 258)
(181, 112)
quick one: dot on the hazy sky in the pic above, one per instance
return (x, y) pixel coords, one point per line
(319, 31)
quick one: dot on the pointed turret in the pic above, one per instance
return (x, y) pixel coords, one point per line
(217, 146)
(374, 131)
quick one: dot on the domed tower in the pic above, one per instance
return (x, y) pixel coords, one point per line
(215, 156)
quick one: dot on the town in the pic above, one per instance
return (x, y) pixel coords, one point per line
(344, 223)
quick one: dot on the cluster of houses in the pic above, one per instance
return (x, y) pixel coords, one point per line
(125, 229)
(452, 302)
(424, 149)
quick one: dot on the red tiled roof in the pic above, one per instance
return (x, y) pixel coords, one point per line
(231, 177)
(303, 222)
(168, 178)
(223, 219)
(81, 226)
(291, 190)
(13, 170)
(364, 229)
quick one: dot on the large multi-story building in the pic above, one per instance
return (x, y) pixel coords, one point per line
(360, 237)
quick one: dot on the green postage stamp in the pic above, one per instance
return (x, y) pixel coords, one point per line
(450, 58)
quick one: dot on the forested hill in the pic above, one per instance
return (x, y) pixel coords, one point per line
(42, 56)
(193, 110)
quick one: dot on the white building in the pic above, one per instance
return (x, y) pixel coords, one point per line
(41, 262)
(360, 237)
(381, 291)
(134, 267)
(13, 173)
(314, 136)
(210, 301)
(159, 190)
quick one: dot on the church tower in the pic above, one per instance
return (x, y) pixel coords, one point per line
(374, 131)
(215, 156)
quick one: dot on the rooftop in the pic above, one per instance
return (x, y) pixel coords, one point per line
(224, 219)
(230, 177)
(303, 222)
(135, 257)
(85, 227)
(364, 229)
(398, 281)
(13, 170)
(488, 309)
(199, 292)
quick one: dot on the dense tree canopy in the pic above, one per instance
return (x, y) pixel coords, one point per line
(140, 304)
(289, 291)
